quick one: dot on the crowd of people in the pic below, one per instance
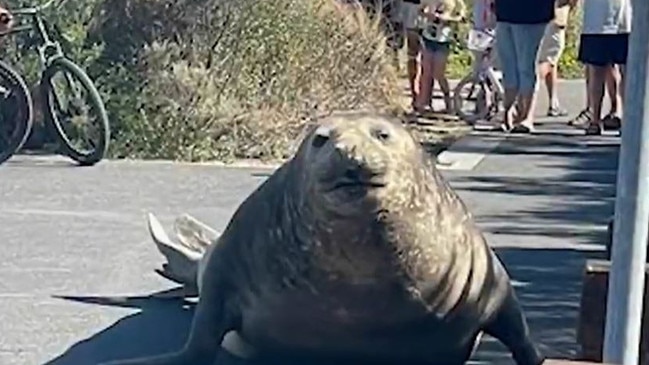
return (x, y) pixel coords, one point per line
(530, 37)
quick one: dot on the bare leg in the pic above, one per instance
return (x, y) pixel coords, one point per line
(622, 83)
(612, 87)
(425, 80)
(414, 50)
(596, 91)
(551, 76)
(587, 72)
(585, 115)
(439, 74)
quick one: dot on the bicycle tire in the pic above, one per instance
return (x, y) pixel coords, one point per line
(458, 99)
(84, 159)
(23, 123)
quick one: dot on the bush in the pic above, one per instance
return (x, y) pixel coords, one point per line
(214, 79)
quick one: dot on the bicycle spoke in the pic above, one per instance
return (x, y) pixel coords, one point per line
(76, 117)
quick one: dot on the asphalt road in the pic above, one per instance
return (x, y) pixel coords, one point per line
(73, 237)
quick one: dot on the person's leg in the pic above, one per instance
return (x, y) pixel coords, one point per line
(425, 78)
(550, 52)
(596, 91)
(413, 44)
(612, 86)
(618, 47)
(585, 114)
(611, 82)
(587, 72)
(621, 47)
(507, 59)
(596, 54)
(439, 73)
(528, 39)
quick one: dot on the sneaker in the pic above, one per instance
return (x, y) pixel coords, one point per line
(557, 111)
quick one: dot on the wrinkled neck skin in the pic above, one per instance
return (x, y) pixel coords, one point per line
(419, 237)
(414, 225)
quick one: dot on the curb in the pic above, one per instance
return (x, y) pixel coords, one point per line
(467, 152)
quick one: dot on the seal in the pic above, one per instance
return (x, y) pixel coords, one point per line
(356, 250)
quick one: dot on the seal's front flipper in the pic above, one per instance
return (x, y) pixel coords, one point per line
(510, 328)
(182, 262)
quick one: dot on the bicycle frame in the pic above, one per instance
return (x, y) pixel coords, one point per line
(48, 49)
(485, 70)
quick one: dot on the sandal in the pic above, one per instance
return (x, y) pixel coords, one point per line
(593, 129)
(522, 128)
(582, 118)
(612, 122)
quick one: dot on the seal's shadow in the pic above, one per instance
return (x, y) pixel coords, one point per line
(160, 325)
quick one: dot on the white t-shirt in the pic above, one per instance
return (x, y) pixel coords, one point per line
(606, 16)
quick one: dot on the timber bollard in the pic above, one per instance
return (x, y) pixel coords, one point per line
(592, 312)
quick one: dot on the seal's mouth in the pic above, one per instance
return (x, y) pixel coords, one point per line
(348, 184)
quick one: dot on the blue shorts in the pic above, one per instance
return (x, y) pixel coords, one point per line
(518, 46)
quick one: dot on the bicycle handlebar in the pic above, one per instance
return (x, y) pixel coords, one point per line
(37, 9)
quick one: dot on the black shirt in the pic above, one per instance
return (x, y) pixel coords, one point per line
(524, 11)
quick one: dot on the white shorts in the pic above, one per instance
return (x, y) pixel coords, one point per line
(552, 45)
(409, 15)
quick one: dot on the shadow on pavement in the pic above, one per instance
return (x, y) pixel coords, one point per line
(161, 326)
(548, 284)
(570, 190)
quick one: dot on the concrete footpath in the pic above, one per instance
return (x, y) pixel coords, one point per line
(72, 237)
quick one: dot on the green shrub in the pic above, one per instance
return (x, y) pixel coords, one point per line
(213, 79)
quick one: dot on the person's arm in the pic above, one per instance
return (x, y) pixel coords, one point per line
(6, 20)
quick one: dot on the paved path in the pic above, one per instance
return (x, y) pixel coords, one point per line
(72, 236)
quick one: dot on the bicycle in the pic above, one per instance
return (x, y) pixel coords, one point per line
(58, 115)
(484, 82)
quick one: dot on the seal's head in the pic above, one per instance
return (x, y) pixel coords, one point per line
(360, 162)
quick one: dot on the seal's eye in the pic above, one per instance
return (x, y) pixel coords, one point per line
(381, 134)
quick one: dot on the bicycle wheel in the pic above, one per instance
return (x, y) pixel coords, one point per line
(70, 118)
(475, 92)
(16, 112)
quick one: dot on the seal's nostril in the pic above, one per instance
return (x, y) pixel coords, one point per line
(321, 136)
(319, 141)
(381, 134)
(352, 174)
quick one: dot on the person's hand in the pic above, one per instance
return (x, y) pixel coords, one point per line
(6, 20)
